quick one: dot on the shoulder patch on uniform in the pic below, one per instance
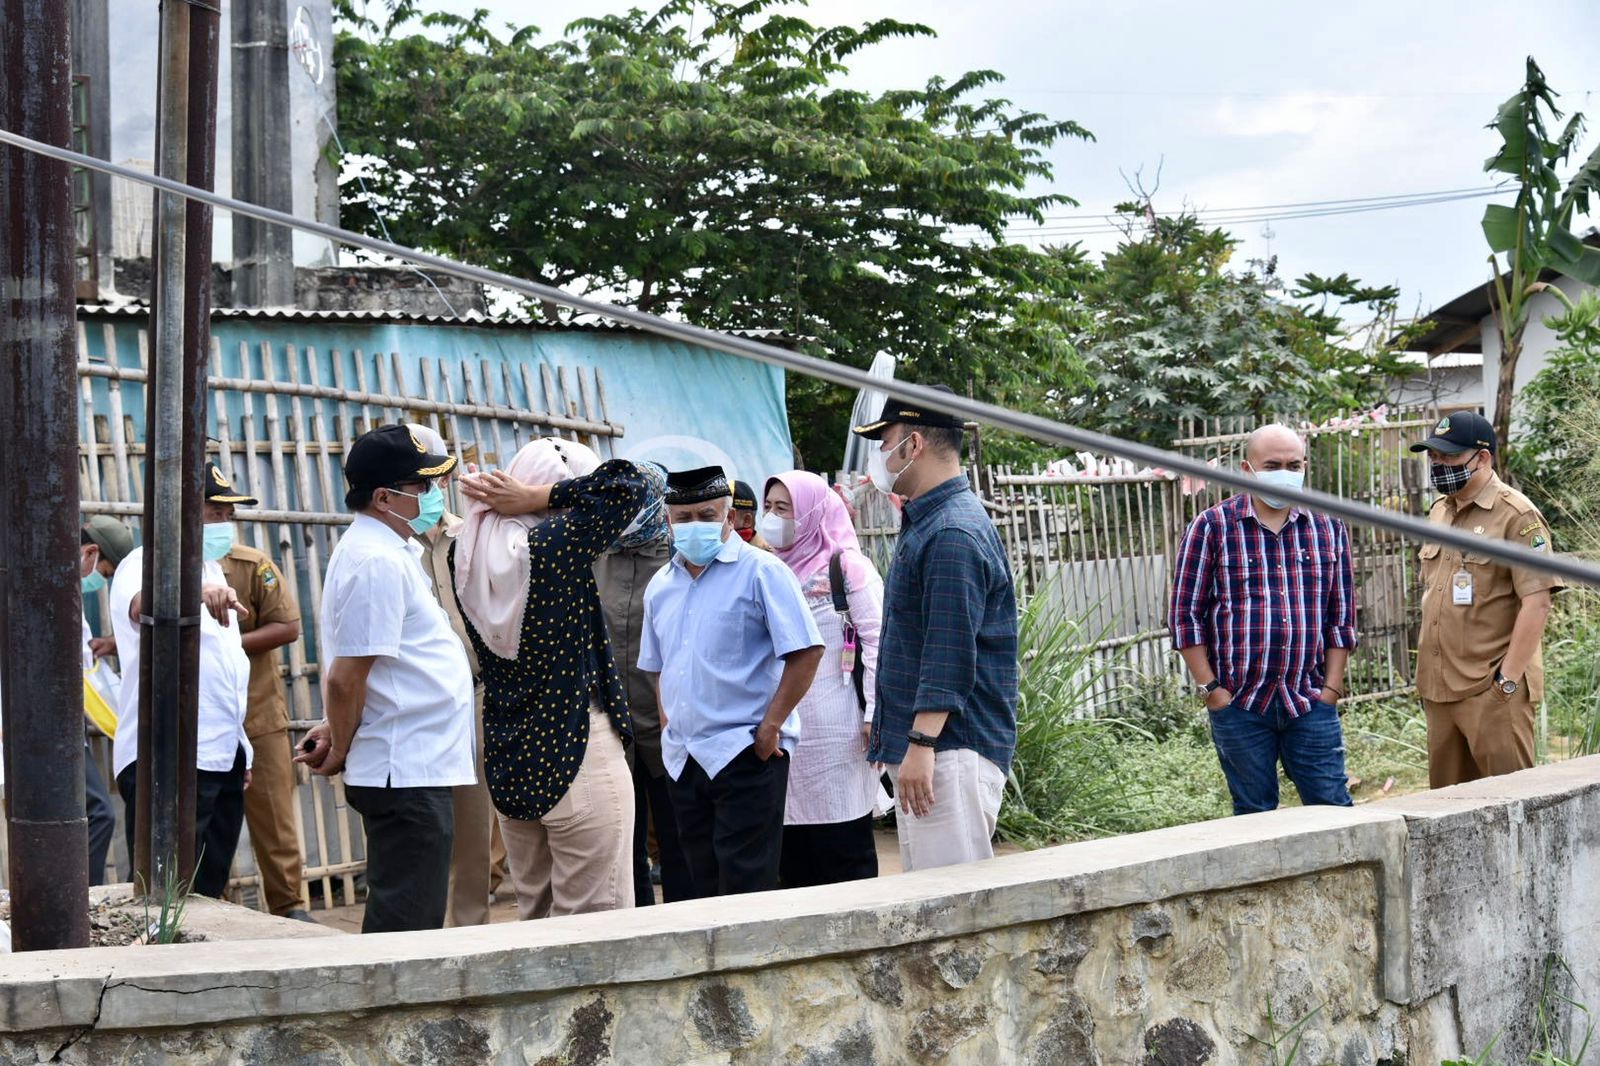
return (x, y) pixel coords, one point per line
(1529, 529)
(268, 574)
(1538, 542)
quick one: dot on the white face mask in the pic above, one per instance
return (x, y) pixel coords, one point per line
(878, 467)
(1285, 479)
(776, 530)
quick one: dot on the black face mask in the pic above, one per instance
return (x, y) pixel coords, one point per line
(1450, 479)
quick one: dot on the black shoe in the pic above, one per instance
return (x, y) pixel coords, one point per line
(300, 915)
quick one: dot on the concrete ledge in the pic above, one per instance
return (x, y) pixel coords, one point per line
(205, 984)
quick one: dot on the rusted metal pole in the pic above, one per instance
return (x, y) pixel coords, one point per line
(43, 683)
(169, 667)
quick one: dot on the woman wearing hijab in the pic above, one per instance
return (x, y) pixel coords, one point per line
(622, 574)
(833, 791)
(554, 719)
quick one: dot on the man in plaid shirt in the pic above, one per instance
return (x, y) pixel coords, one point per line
(1263, 613)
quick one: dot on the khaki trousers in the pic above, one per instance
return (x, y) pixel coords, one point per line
(476, 849)
(579, 857)
(1480, 736)
(269, 811)
(967, 789)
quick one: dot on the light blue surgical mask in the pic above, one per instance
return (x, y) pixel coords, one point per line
(93, 582)
(1286, 479)
(698, 542)
(430, 508)
(218, 540)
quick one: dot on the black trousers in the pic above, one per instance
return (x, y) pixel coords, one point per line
(828, 853)
(731, 826)
(409, 834)
(101, 817)
(218, 819)
(653, 802)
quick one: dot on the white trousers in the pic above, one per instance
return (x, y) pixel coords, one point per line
(967, 789)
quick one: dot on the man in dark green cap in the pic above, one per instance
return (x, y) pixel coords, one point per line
(103, 543)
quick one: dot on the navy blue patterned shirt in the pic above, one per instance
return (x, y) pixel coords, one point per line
(949, 630)
(536, 706)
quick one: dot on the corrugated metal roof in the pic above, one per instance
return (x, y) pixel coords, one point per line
(132, 307)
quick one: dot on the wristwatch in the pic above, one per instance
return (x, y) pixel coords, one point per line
(921, 739)
(1209, 687)
(1506, 685)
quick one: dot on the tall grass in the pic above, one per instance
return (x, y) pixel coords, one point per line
(1075, 775)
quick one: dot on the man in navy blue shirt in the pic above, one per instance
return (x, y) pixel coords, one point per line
(946, 723)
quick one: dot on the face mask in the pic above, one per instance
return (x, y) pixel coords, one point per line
(776, 531)
(430, 508)
(1279, 479)
(1450, 479)
(93, 582)
(698, 542)
(878, 467)
(218, 540)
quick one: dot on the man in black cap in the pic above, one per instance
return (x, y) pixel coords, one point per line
(732, 643)
(946, 721)
(744, 516)
(1479, 669)
(397, 690)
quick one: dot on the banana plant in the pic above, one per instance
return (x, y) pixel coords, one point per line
(1534, 235)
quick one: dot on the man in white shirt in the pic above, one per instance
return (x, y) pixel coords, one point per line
(397, 687)
(222, 752)
(104, 543)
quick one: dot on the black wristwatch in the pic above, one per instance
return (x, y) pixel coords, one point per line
(921, 739)
(1209, 687)
(1506, 685)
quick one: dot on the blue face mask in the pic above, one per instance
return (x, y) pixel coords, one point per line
(698, 542)
(430, 508)
(1288, 479)
(93, 582)
(218, 540)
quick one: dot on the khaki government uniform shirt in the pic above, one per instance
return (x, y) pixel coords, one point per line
(436, 561)
(260, 586)
(1462, 644)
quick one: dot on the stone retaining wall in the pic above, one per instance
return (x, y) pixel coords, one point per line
(1392, 933)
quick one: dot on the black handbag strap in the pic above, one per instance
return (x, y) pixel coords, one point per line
(841, 604)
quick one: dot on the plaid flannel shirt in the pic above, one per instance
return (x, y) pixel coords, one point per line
(1266, 606)
(949, 630)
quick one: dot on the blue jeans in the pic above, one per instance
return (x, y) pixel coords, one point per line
(1250, 745)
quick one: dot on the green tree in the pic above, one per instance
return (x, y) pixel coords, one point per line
(704, 162)
(1535, 234)
(1173, 333)
(1554, 457)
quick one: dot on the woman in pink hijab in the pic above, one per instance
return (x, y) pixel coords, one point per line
(834, 793)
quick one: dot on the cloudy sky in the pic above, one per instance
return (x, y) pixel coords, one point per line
(1245, 103)
(1240, 103)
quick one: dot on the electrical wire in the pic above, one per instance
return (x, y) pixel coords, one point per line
(1035, 426)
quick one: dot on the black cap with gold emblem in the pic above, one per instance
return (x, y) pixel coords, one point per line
(1464, 431)
(744, 497)
(220, 490)
(911, 414)
(392, 455)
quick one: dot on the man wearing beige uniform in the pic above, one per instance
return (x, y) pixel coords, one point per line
(1479, 670)
(476, 850)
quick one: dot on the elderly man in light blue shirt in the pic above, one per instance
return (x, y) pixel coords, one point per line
(731, 642)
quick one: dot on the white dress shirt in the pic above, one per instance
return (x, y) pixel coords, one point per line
(224, 677)
(416, 728)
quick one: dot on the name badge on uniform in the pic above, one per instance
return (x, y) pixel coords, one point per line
(1461, 588)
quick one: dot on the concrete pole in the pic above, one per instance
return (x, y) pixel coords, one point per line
(91, 56)
(40, 601)
(175, 436)
(263, 255)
